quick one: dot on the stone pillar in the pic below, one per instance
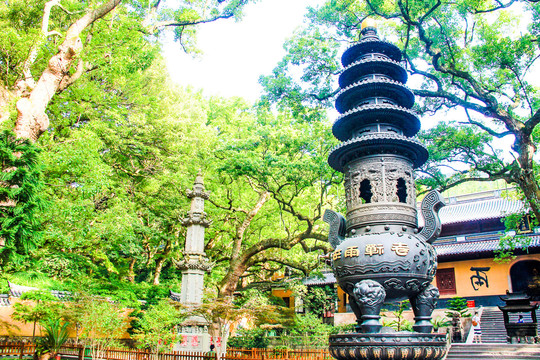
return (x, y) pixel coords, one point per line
(193, 331)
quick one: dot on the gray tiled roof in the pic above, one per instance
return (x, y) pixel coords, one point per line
(486, 209)
(468, 247)
(327, 278)
(62, 295)
(4, 300)
(478, 209)
(18, 290)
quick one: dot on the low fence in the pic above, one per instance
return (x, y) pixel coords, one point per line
(20, 350)
(282, 354)
(17, 350)
(82, 353)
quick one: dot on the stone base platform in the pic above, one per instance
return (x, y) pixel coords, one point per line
(388, 346)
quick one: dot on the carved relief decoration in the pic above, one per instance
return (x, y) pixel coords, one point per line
(369, 293)
(196, 218)
(383, 175)
(386, 266)
(388, 346)
(427, 298)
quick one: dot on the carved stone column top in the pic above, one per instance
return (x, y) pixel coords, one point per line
(198, 188)
(190, 262)
(197, 193)
(196, 218)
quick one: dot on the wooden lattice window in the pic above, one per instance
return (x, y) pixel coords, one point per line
(446, 281)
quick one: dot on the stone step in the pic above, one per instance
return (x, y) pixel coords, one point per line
(493, 330)
(493, 351)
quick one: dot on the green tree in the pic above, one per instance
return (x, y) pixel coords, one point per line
(255, 338)
(399, 323)
(58, 43)
(254, 308)
(308, 331)
(319, 299)
(156, 329)
(457, 306)
(116, 185)
(37, 307)
(74, 63)
(55, 335)
(476, 57)
(272, 184)
(102, 325)
(21, 184)
(457, 310)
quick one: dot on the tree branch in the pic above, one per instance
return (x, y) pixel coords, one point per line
(69, 80)
(485, 128)
(501, 6)
(532, 122)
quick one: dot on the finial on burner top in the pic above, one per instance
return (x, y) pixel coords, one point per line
(369, 23)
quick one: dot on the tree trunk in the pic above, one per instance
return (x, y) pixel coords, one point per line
(527, 183)
(131, 272)
(229, 284)
(32, 120)
(523, 172)
(159, 267)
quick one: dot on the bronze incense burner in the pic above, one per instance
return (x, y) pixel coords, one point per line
(379, 256)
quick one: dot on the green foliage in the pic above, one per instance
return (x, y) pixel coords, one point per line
(21, 184)
(317, 55)
(267, 166)
(55, 335)
(156, 327)
(256, 309)
(440, 322)
(102, 325)
(308, 331)
(457, 306)
(319, 299)
(38, 295)
(37, 307)
(255, 338)
(120, 43)
(450, 144)
(344, 329)
(399, 323)
(514, 224)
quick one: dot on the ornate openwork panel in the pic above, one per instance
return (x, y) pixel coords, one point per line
(446, 281)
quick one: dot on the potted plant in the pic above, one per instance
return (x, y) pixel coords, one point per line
(55, 335)
(457, 310)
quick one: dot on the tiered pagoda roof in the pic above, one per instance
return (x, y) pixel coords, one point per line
(375, 104)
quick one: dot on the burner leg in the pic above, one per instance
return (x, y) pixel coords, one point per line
(423, 305)
(369, 296)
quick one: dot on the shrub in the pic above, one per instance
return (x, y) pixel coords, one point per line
(249, 339)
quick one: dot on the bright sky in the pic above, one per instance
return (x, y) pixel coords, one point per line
(235, 54)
